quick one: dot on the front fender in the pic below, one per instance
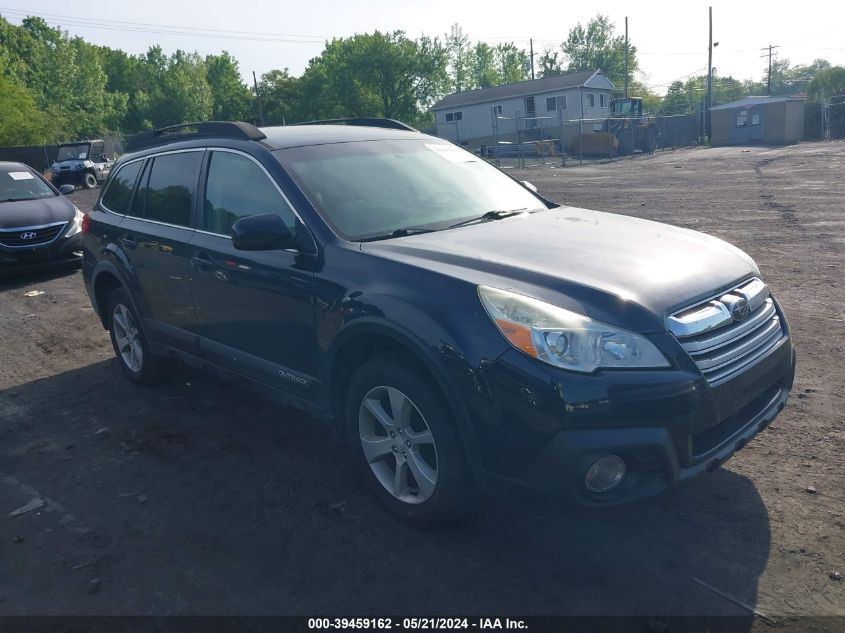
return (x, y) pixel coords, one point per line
(436, 350)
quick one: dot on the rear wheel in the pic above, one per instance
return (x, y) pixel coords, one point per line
(649, 140)
(408, 447)
(130, 344)
(89, 180)
(626, 142)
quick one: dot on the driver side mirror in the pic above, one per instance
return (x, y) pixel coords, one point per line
(266, 232)
(66, 189)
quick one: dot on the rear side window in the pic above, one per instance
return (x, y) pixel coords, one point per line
(168, 195)
(236, 188)
(116, 198)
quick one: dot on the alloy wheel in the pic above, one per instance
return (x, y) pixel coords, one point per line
(398, 444)
(127, 338)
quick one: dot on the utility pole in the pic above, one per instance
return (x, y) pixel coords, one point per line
(626, 56)
(709, 101)
(258, 99)
(769, 76)
(532, 57)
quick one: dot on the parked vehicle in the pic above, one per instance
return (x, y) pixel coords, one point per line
(460, 331)
(39, 227)
(82, 163)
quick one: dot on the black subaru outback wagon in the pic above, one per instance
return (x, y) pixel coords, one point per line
(461, 332)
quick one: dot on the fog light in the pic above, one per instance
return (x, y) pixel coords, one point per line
(605, 474)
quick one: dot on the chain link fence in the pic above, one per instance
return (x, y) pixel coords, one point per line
(40, 157)
(526, 141)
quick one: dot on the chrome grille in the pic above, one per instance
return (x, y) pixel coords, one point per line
(729, 333)
(27, 236)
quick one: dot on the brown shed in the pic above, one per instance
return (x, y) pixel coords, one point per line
(777, 120)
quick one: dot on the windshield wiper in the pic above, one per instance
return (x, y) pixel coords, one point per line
(17, 199)
(403, 232)
(490, 215)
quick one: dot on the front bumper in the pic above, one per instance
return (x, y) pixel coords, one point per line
(64, 252)
(544, 428)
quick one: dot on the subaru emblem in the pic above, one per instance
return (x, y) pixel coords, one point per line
(740, 309)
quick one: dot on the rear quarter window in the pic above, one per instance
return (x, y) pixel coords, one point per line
(119, 192)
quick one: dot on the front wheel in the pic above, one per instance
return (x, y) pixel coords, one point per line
(649, 140)
(130, 344)
(89, 180)
(406, 441)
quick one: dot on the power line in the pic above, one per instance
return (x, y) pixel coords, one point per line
(166, 29)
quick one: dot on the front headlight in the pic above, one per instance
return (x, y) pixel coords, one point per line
(566, 339)
(76, 224)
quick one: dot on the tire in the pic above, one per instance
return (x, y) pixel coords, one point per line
(89, 180)
(394, 408)
(130, 343)
(649, 140)
(626, 142)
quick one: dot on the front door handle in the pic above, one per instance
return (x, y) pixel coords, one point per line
(129, 243)
(202, 262)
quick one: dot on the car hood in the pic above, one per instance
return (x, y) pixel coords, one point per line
(15, 215)
(583, 260)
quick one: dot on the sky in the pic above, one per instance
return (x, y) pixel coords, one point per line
(671, 37)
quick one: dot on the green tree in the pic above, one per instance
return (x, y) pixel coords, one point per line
(185, 94)
(596, 47)
(378, 74)
(484, 67)
(21, 121)
(231, 99)
(459, 51)
(827, 82)
(550, 63)
(512, 63)
(281, 97)
(676, 100)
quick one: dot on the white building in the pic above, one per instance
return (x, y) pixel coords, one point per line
(469, 118)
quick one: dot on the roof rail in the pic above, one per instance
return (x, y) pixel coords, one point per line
(190, 131)
(392, 124)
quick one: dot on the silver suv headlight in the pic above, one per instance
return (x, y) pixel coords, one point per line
(563, 338)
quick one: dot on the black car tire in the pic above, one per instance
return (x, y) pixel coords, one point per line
(453, 495)
(649, 141)
(89, 180)
(150, 370)
(626, 142)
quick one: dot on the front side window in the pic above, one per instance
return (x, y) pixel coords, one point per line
(17, 184)
(169, 192)
(366, 190)
(119, 191)
(236, 188)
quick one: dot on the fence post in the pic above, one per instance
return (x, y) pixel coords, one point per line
(560, 135)
(519, 141)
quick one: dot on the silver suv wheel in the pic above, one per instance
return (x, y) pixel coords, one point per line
(126, 338)
(398, 444)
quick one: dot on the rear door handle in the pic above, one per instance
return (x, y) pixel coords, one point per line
(202, 262)
(129, 243)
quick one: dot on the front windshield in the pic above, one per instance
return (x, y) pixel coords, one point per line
(22, 184)
(367, 189)
(73, 152)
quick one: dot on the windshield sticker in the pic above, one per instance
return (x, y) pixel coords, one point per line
(20, 175)
(83, 155)
(452, 154)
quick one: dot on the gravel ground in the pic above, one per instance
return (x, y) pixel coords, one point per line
(203, 498)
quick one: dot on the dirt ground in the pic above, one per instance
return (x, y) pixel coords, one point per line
(202, 498)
